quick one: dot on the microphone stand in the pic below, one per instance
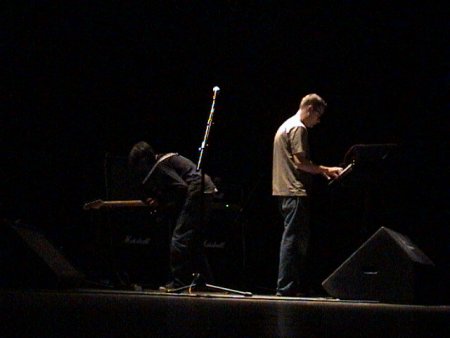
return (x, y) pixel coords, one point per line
(207, 131)
(198, 280)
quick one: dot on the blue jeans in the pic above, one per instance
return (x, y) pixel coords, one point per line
(292, 276)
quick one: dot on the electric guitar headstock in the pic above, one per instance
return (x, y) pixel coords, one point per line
(94, 205)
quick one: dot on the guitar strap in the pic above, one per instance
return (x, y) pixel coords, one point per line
(162, 158)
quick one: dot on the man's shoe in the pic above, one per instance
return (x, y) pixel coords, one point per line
(291, 294)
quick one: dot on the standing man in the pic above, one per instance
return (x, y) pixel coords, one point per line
(173, 180)
(291, 179)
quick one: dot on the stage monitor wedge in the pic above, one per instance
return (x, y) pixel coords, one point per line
(28, 260)
(388, 267)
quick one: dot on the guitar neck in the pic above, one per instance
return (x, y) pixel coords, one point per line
(121, 204)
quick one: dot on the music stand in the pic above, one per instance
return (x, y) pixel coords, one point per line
(364, 157)
(361, 186)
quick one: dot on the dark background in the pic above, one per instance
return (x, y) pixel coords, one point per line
(80, 81)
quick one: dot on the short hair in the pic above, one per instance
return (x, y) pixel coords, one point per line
(313, 99)
(141, 156)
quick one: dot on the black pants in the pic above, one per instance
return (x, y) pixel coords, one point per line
(187, 254)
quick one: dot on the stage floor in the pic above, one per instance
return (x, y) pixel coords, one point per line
(117, 313)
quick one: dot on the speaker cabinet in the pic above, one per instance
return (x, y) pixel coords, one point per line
(29, 260)
(224, 245)
(388, 267)
(130, 246)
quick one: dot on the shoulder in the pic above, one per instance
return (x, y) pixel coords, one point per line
(165, 156)
(292, 122)
(295, 127)
(179, 160)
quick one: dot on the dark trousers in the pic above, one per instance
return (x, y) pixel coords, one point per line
(187, 254)
(292, 277)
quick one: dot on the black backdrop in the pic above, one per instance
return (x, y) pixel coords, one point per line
(83, 80)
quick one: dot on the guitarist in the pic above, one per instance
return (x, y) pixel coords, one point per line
(171, 179)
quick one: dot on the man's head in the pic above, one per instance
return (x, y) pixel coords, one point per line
(141, 158)
(312, 107)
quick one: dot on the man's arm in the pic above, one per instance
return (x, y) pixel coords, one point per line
(306, 165)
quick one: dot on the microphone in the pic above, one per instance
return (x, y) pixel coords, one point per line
(216, 89)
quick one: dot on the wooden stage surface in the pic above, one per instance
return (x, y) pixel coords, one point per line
(118, 313)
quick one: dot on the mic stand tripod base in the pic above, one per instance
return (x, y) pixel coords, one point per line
(237, 292)
(199, 282)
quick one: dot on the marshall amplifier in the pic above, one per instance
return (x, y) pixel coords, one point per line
(224, 245)
(140, 241)
(129, 244)
(137, 243)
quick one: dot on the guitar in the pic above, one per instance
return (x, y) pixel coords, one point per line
(100, 204)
